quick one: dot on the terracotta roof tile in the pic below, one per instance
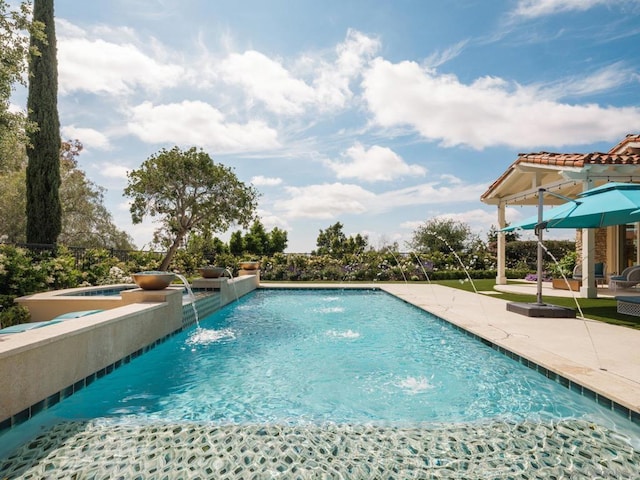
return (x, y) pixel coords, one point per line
(630, 148)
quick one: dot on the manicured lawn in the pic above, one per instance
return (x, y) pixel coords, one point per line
(602, 309)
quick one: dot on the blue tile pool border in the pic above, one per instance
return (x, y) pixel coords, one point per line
(209, 305)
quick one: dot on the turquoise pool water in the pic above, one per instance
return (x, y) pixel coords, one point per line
(297, 382)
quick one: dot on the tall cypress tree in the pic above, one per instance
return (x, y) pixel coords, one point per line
(44, 213)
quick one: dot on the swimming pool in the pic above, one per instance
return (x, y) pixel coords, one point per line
(298, 383)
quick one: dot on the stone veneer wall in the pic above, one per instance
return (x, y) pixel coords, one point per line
(601, 245)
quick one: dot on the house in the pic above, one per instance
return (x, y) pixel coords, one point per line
(568, 174)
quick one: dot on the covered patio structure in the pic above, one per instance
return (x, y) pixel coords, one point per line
(568, 174)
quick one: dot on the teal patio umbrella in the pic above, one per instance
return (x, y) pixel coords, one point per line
(609, 204)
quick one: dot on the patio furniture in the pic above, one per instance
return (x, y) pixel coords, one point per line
(628, 305)
(629, 277)
(599, 271)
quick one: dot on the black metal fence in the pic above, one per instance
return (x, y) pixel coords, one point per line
(79, 253)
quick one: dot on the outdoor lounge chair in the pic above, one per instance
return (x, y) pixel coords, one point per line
(599, 269)
(629, 277)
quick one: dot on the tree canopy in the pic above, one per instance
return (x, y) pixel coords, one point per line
(442, 235)
(188, 192)
(333, 242)
(85, 220)
(14, 57)
(258, 241)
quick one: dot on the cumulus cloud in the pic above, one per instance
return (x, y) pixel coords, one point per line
(375, 164)
(430, 194)
(487, 112)
(268, 81)
(89, 137)
(114, 171)
(324, 201)
(198, 123)
(260, 180)
(104, 67)
(313, 82)
(331, 200)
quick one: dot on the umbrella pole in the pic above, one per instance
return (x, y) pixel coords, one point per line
(539, 228)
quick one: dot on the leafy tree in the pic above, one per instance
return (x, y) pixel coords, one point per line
(357, 244)
(256, 242)
(441, 235)
(44, 212)
(14, 52)
(492, 236)
(190, 193)
(277, 241)
(12, 205)
(331, 241)
(236, 243)
(335, 243)
(85, 220)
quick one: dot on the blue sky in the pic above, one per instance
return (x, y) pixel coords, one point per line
(378, 114)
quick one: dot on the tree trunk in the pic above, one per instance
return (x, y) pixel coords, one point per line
(166, 261)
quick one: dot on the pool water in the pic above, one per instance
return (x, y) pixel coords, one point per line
(343, 383)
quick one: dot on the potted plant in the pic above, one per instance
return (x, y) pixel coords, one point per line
(563, 272)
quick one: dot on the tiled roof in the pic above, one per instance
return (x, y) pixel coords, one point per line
(627, 152)
(578, 159)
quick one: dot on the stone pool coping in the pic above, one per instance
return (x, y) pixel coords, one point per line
(595, 359)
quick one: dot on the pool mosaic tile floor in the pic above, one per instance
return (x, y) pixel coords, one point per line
(501, 450)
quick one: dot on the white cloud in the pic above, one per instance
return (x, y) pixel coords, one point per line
(89, 137)
(108, 67)
(540, 8)
(607, 78)
(285, 90)
(115, 171)
(270, 220)
(487, 112)
(331, 200)
(198, 123)
(267, 81)
(441, 57)
(324, 201)
(260, 180)
(376, 164)
(430, 194)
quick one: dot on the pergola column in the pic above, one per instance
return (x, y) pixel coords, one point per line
(501, 278)
(589, 288)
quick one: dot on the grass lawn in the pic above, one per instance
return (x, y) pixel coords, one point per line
(601, 309)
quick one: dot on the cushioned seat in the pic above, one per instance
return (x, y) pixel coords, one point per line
(629, 277)
(599, 271)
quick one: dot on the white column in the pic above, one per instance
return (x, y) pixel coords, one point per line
(589, 288)
(501, 277)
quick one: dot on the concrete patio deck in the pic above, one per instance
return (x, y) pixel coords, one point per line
(529, 288)
(601, 357)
